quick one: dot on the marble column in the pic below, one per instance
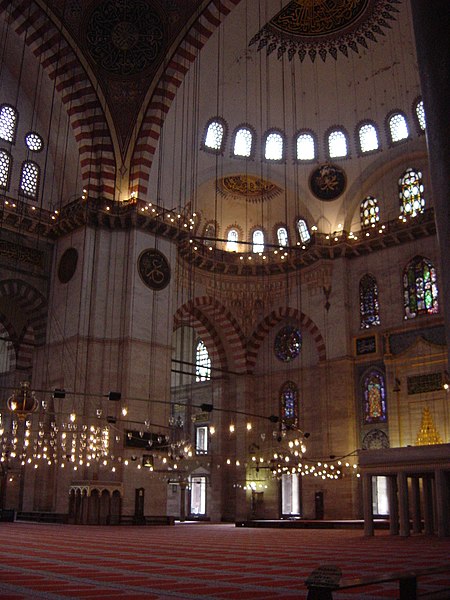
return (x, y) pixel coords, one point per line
(428, 525)
(403, 504)
(368, 504)
(441, 479)
(393, 504)
(415, 505)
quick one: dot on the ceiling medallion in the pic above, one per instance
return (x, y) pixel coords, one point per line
(154, 269)
(125, 38)
(248, 187)
(327, 182)
(321, 27)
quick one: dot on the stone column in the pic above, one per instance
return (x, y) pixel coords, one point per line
(367, 504)
(403, 503)
(428, 525)
(415, 505)
(393, 504)
(442, 517)
(431, 28)
(182, 501)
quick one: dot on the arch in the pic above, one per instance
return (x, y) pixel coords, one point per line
(86, 115)
(165, 89)
(208, 316)
(277, 315)
(33, 304)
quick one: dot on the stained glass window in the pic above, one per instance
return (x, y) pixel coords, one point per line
(337, 144)
(202, 362)
(232, 240)
(243, 142)
(398, 127)
(368, 302)
(215, 135)
(289, 405)
(420, 288)
(5, 168)
(305, 147)
(274, 146)
(374, 398)
(410, 193)
(8, 123)
(368, 138)
(29, 179)
(420, 114)
(282, 236)
(34, 142)
(370, 211)
(258, 240)
(303, 231)
(288, 343)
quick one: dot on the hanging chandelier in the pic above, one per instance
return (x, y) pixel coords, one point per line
(23, 401)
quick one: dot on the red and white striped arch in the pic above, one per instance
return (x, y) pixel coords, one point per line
(275, 317)
(166, 89)
(97, 162)
(33, 306)
(218, 329)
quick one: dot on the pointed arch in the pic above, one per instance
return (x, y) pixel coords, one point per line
(277, 315)
(166, 88)
(86, 115)
(32, 303)
(208, 316)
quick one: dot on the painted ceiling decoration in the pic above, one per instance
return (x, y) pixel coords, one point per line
(248, 187)
(322, 27)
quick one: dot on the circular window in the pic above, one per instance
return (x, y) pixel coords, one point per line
(288, 343)
(34, 142)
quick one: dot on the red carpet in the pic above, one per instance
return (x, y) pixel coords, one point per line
(200, 561)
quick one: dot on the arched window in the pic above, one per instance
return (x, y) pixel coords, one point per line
(398, 127)
(282, 236)
(337, 144)
(303, 231)
(274, 146)
(258, 240)
(369, 309)
(243, 142)
(232, 240)
(215, 135)
(8, 123)
(5, 169)
(202, 362)
(368, 138)
(410, 192)
(289, 405)
(420, 115)
(374, 398)
(306, 148)
(370, 211)
(420, 288)
(29, 179)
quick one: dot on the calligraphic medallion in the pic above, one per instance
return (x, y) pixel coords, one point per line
(327, 182)
(154, 269)
(67, 265)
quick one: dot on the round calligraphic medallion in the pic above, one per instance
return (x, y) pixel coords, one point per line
(154, 269)
(67, 265)
(327, 182)
(125, 38)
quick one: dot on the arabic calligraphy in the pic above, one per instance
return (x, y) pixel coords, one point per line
(21, 253)
(327, 182)
(154, 269)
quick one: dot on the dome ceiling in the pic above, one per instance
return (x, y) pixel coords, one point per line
(321, 27)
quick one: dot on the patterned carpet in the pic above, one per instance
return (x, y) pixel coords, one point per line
(200, 561)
